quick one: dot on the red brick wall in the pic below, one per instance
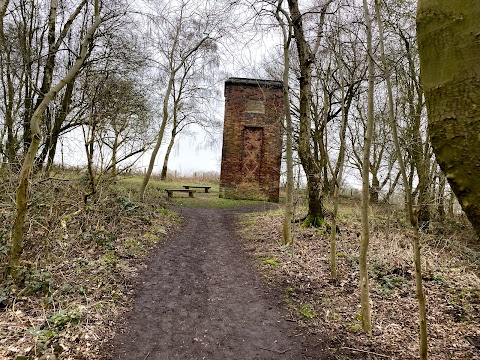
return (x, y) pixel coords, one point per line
(243, 106)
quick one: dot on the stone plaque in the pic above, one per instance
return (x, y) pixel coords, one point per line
(255, 106)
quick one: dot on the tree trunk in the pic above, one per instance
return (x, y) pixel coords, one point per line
(114, 170)
(311, 167)
(163, 176)
(364, 287)
(287, 39)
(337, 178)
(451, 200)
(441, 197)
(449, 50)
(10, 146)
(374, 189)
(161, 132)
(173, 71)
(52, 141)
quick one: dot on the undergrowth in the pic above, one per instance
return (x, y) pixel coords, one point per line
(450, 263)
(77, 264)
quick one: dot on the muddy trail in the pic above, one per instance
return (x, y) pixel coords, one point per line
(201, 298)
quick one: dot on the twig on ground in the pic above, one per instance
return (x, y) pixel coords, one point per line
(365, 351)
(52, 178)
(275, 351)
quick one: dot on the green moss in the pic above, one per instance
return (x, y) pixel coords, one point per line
(273, 262)
(307, 311)
(314, 221)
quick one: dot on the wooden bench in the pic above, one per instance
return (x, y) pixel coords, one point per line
(171, 191)
(197, 187)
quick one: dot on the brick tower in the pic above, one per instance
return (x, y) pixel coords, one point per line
(252, 139)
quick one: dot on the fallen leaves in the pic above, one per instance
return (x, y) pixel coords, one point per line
(451, 284)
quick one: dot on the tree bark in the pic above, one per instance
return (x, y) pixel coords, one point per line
(287, 39)
(449, 49)
(364, 283)
(441, 197)
(311, 167)
(163, 175)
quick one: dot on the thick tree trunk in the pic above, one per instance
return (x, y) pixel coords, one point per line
(311, 167)
(374, 189)
(449, 49)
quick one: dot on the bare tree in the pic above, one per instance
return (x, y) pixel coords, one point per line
(306, 55)
(413, 215)
(287, 31)
(17, 232)
(188, 32)
(191, 94)
(364, 288)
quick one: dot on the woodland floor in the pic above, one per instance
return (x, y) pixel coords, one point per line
(450, 263)
(200, 298)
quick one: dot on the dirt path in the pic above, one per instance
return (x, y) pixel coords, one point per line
(200, 298)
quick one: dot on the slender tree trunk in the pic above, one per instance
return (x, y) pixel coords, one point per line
(173, 71)
(89, 139)
(441, 197)
(161, 132)
(449, 48)
(422, 314)
(337, 175)
(163, 176)
(17, 232)
(451, 200)
(287, 39)
(50, 148)
(114, 156)
(287, 220)
(364, 283)
(10, 146)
